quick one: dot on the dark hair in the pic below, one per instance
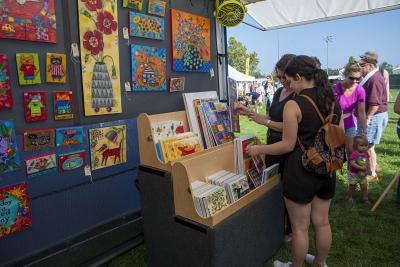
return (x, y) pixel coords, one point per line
(305, 67)
(358, 139)
(317, 62)
(283, 61)
(351, 66)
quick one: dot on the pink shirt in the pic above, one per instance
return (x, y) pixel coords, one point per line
(355, 155)
(349, 103)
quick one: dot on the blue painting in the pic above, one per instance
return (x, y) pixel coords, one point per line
(141, 25)
(69, 136)
(9, 158)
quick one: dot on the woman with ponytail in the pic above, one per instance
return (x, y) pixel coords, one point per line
(307, 194)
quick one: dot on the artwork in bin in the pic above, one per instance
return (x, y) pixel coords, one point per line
(35, 106)
(40, 165)
(148, 66)
(28, 20)
(63, 105)
(69, 136)
(38, 139)
(56, 66)
(157, 7)
(176, 84)
(190, 37)
(71, 161)
(217, 116)
(233, 102)
(28, 68)
(107, 146)
(15, 215)
(9, 158)
(98, 27)
(133, 4)
(6, 101)
(141, 25)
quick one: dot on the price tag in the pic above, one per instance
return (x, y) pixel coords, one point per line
(75, 50)
(125, 33)
(128, 87)
(88, 172)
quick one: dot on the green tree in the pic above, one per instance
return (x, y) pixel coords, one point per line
(386, 66)
(237, 54)
(254, 61)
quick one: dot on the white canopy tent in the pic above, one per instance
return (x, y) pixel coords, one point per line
(238, 76)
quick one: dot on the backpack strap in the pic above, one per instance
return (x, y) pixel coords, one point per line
(309, 99)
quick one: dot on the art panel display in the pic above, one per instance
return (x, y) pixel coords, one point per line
(148, 68)
(98, 27)
(38, 139)
(157, 7)
(71, 161)
(107, 146)
(9, 158)
(141, 25)
(15, 215)
(28, 68)
(63, 105)
(133, 4)
(6, 101)
(176, 84)
(69, 136)
(233, 102)
(190, 37)
(30, 20)
(40, 165)
(35, 106)
(56, 66)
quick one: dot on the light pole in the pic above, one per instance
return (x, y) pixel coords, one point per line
(328, 39)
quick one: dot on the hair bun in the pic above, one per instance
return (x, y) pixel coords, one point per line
(352, 60)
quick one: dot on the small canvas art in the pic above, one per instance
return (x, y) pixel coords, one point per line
(133, 4)
(190, 37)
(141, 25)
(38, 139)
(35, 106)
(176, 84)
(71, 161)
(56, 66)
(69, 136)
(148, 66)
(63, 105)
(9, 158)
(15, 215)
(40, 165)
(107, 146)
(6, 101)
(233, 103)
(157, 7)
(28, 68)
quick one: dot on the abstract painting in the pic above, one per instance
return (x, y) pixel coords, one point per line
(30, 20)
(71, 161)
(40, 165)
(56, 66)
(107, 146)
(176, 84)
(69, 136)
(35, 106)
(190, 37)
(133, 4)
(146, 26)
(98, 27)
(157, 7)
(15, 215)
(28, 68)
(6, 101)
(38, 139)
(148, 66)
(63, 105)
(9, 158)
(233, 102)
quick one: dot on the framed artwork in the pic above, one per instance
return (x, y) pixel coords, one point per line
(190, 37)
(6, 100)
(148, 66)
(98, 27)
(133, 4)
(69, 136)
(157, 7)
(9, 158)
(40, 165)
(28, 68)
(63, 105)
(107, 146)
(15, 215)
(71, 161)
(35, 106)
(233, 102)
(141, 25)
(176, 84)
(38, 139)
(56, 66)
(29, 20)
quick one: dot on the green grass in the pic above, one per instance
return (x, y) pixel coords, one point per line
(360, 237)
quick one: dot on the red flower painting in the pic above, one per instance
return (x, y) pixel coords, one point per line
(93, 41)
(106, 23)
(93, 5)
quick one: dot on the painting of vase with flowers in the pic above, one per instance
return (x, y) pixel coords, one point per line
(98, 26)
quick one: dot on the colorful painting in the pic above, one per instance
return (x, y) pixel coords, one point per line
(98, 26)
(218, 117)
(107, 146)
(63, 105)
(56, 66)
(30, 20)
(148, 66)
(233, 102)
(35, 106)
(69, 136)
(190, 37)
(71, 161)
(28, 68)
(40, 165)
(133, 4)
(157, 7)
(6, 100)
(146, 26)
(38, 139)
(176, 84)
(15, 215)
(9, 158)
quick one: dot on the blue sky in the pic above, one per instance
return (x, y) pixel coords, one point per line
(351, 36)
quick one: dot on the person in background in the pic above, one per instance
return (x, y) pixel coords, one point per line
(386, 76)
(261, 91)
(269, 92)
(396, 109)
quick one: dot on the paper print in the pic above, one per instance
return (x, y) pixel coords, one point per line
(157, 7)
(98, 27)
(190, 37)
(220, 123)
(28, 68)
(107, 146)
(9, 158)
(176, 84)
(38, 139)
(35, 106)
(133, 4)
(233, 102)
(69, 136)
(56, 66)
(146, 26)
(6, 100)
(148, 66)
(30, 20)
(71, 161)
(40, 165)
(15, 215)
(63, 105)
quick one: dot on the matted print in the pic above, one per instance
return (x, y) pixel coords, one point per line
(157, 7)
(9, 158)
(56, 66)
(69, 136)
(133, 4)
(63, 105)
(35, 106)
(71, 161)
(38, 139)
(40, 165)
(28, 68)
(141, 25)
(6, 100)
(98, 27)
(176, 84)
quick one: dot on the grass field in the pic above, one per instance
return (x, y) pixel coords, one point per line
(360, 238)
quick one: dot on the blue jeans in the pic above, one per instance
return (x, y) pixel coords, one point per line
(375, 128)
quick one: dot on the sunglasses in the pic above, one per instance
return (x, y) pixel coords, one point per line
(355, 78)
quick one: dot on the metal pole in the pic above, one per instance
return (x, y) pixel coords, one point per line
(328, 39)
